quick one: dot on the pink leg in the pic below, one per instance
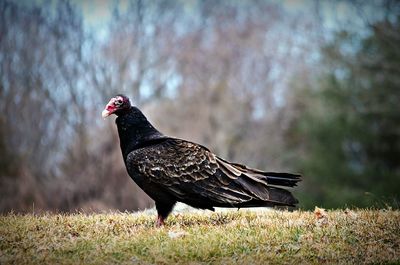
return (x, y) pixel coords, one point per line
(160, 221)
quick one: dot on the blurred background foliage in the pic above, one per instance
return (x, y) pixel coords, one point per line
(351, 125)
(304, 86)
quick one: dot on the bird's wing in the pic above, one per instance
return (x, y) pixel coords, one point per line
(189, 170)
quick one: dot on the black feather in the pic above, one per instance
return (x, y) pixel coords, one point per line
(170, 170)
(282, 179)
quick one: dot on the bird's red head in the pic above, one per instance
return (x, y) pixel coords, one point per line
(116, 105)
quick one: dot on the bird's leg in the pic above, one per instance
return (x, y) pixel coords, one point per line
(160, 221)
(163, 210)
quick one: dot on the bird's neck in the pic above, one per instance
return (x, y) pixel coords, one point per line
(135, 131)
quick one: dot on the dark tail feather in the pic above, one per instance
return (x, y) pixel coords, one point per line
(282, 196)
(277, 197)
(273, 178)
(264, 187)
(282, 179)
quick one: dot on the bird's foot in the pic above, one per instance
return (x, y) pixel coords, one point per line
(160, 221)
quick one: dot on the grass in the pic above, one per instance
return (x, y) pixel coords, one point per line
(242, 237)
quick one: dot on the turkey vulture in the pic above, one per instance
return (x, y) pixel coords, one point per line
(170, 169)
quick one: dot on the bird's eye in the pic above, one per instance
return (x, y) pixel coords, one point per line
(118, 102)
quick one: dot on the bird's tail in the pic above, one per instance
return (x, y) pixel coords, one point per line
(266, 187)
(281, 197)
(272, 178)
(282, 179)
(276, 197)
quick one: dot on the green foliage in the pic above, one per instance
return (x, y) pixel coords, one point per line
(239, 237)
(351, 127)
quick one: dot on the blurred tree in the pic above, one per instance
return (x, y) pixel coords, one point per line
(351, 130)
(36, 48)
(213, 72)
(232, 66)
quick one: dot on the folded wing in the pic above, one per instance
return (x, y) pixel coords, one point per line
(196, 176)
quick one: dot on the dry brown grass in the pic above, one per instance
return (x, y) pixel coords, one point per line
(243, 237)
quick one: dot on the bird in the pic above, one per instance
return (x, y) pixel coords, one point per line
(171, 170)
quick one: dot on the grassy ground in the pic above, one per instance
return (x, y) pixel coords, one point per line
(242, 237)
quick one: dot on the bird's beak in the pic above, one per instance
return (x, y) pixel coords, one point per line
(109, 109)
(105, 113)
